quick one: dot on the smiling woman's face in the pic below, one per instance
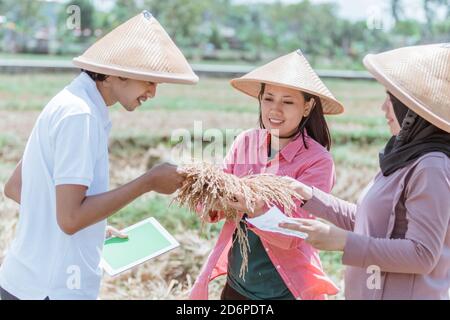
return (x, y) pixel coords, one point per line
(282, 109)
(391, 119)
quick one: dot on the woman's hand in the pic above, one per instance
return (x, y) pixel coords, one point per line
(259, 206)
(302, 189)
(321, 235)
(113, 232)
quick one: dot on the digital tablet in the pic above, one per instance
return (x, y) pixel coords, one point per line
(146, 240)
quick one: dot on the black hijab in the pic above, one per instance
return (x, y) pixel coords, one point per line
(416, 138)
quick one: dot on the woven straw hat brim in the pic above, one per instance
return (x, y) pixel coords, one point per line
(118, 71)
(138, 49)
(291, 71)
(418, 76)
(252, 87)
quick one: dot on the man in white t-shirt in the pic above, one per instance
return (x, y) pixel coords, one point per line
(62, 180)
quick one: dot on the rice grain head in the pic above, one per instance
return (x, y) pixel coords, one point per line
(208, 187)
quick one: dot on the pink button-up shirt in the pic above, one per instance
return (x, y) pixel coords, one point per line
(296, 261)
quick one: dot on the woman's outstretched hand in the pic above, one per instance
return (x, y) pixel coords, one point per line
(321, 235)
(302, 189)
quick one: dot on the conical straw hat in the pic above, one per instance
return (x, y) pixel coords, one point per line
(419, 76)
(138, 49)
(291, 71)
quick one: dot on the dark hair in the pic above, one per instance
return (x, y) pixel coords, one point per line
(95, 76)
(314, 124)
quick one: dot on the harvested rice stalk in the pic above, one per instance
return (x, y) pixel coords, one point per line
(211, 188)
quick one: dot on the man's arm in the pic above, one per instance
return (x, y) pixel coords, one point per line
(76, 211)
(14, 184)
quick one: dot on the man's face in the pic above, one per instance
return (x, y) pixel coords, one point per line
(131, 93)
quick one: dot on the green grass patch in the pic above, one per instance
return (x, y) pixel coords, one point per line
(8, 140)
(366, 136)
(30, 91)
(332, 264)
(33, 56)
(125, 144)
(33, 91)
(6, 169)
(369, 121)
(356, 155)
(174, 218)
(186, 103)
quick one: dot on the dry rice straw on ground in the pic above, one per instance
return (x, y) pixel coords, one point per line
(211, 188)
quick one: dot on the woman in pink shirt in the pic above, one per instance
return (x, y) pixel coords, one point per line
(396, 239)
(293, 141)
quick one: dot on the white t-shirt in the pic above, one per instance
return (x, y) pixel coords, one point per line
(68, 145)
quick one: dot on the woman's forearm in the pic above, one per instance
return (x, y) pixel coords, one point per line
(390, 255)
(326, 206)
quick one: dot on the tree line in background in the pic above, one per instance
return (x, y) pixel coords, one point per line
(225, 30)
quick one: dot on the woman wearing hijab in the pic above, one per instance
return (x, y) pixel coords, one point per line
(396, 239)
